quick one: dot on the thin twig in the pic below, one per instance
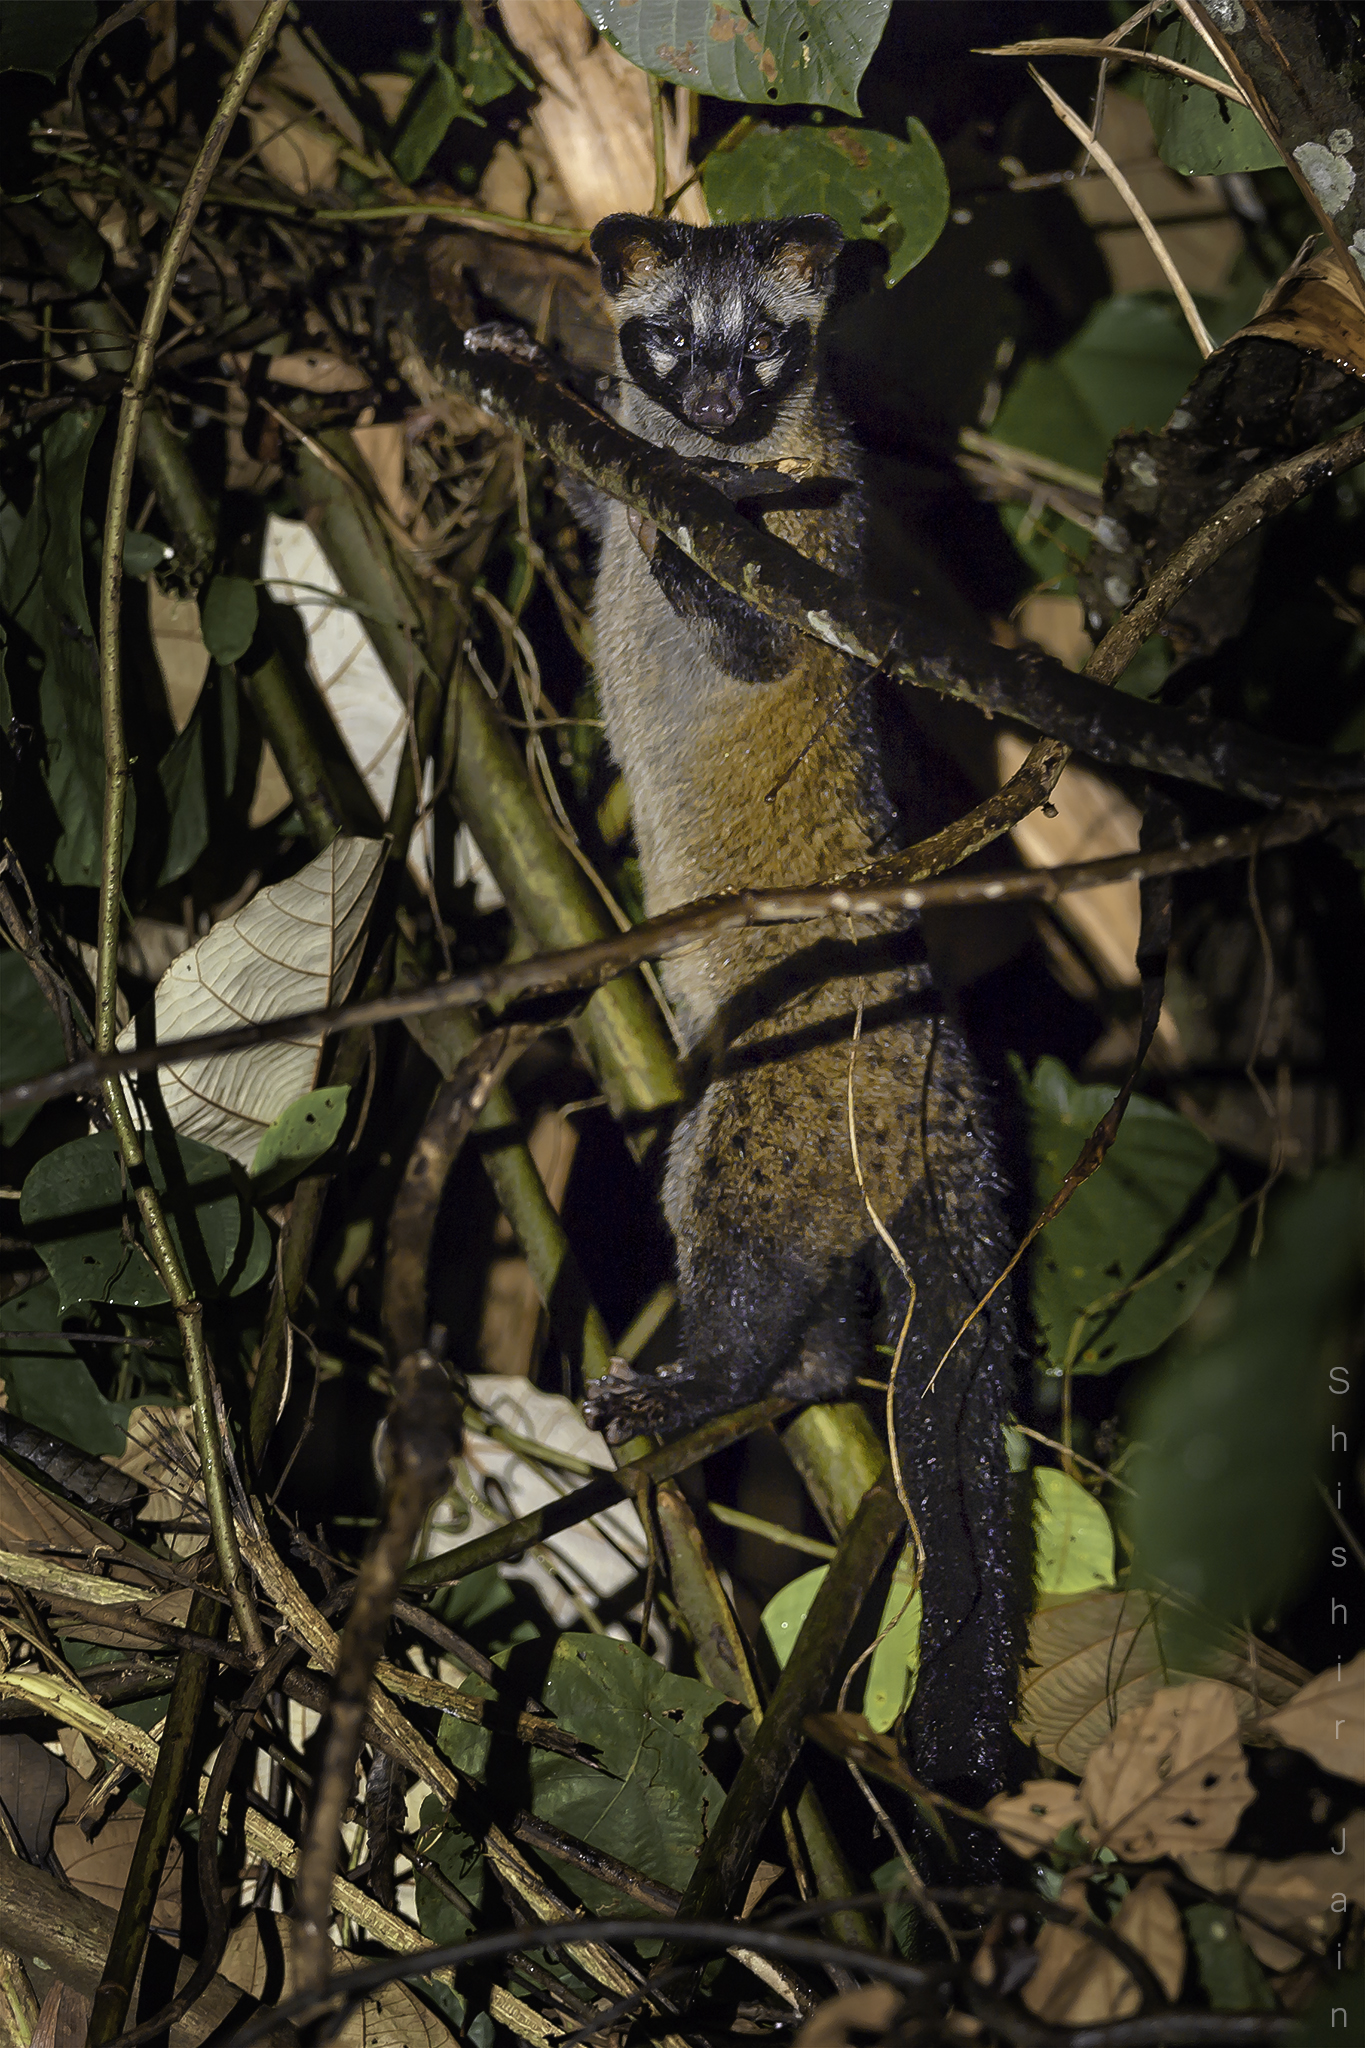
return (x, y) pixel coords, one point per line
(580, 968)
(656, 116)
(1149, 60)
(170, 1270)
(1069, 118)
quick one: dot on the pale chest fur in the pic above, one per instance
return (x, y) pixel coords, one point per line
(729, 783)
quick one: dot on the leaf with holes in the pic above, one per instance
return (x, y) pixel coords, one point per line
(306, 1130)
(1171, 1777)
(652, 1801)
(773, 52)
(1134, 1250)
(1198, 133)
(895, 193)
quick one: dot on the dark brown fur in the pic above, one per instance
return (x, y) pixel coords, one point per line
(785, 1281)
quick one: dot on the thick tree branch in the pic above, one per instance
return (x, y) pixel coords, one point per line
(587, 967)
(1292, 63)
(910, 645)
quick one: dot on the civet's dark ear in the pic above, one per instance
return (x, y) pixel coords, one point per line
(631, 248)
(807, 249)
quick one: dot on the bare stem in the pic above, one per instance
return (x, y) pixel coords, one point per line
(656, 115)
(166, 1257)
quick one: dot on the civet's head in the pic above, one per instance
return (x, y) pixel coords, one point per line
(716, 324)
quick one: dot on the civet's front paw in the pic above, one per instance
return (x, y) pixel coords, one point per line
(625, 1403)
(505, 338)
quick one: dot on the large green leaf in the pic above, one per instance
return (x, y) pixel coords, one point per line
(1073, 1550)
(38, 37)
(30, 1038)
(435, 101)
(653, 1799)
(894, 1664)
(1134, 1250)
(82, 1221)
(1196, 132)
(873, 185)
(50, 658)
(1127, 369)
(778, 52)
(1233, 1432)
(48, 1384)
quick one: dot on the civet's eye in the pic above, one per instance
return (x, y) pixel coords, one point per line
(762, 341)
(674, 339)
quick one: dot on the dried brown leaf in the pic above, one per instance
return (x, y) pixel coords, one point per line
(1315, 306)
(1076, 1981)
(871, 2009)
(259, 1958)
(1149, 1921)
(1029, 1821)
(1096, 1656)
(1301, 1895)
(1172, 1776)
(32, 1791)
(1327, 1720)
(100, 1868)
(63, 2019)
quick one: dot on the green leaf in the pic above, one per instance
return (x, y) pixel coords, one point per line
(653, 1799)
(1197, 133)
(307, 1129)
(893, 192)
(259, 1249)
(893, 1665)
(34, 37)
(485, 63)
(1159, 1193)
(1073, 1541)
(47, 1383)
(461, 1862)
(143, 552)
(83, 1222)
(782, 52)
(1232, 1978)
(50, 659)
(30, 1042)
(198, 770)
(428, 111)
(1320, 2026)
(1233, 1430)
(1128, 368)
(227, 618)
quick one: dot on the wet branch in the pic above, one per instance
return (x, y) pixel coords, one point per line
(909, 645)
(580, 968)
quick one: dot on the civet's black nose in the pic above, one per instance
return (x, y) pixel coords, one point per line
(713, 407)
